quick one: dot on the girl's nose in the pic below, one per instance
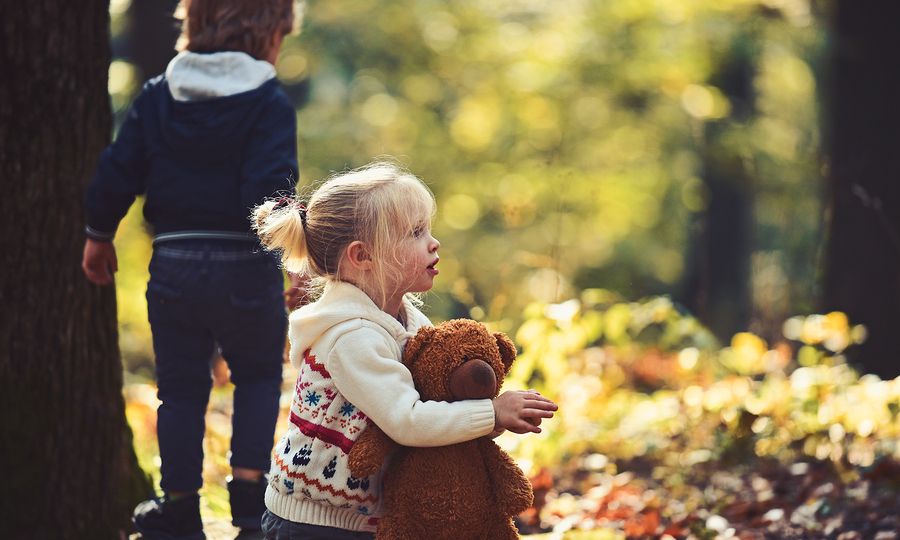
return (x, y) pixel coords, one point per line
(435, 244)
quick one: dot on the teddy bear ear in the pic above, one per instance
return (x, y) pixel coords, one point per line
(507, 349)
(416, 343)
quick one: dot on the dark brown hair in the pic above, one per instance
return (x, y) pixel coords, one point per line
(233, 25)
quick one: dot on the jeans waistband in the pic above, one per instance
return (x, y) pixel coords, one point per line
(205, 235)
(193, 254)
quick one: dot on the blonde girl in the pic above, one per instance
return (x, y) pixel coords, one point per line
(365, 237)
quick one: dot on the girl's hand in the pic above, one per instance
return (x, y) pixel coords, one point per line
(99, 261)
(521, 411)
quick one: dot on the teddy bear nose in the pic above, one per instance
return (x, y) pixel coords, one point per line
(474, 379)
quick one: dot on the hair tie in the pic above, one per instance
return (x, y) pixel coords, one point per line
(291, 202)
(302, 209)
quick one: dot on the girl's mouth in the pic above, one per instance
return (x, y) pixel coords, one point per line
(431, 268)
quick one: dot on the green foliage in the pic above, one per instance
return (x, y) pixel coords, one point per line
(641, 380)
(564, 140)
(660, 427)
(133, 250)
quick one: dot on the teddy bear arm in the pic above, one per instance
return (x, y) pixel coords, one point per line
(369, 452)
(514, 492)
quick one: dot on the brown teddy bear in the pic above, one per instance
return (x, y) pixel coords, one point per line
(464, 491)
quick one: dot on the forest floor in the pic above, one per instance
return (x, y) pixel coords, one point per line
(765, 500)
(769, 501)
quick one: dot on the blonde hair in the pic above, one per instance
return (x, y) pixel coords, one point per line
(235, 25)
(379, 204)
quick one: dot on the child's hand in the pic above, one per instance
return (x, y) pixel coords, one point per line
(297, 294)
(521, 411)
(99, 262)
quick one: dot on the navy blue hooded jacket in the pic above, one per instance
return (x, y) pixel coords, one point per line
(204, 160)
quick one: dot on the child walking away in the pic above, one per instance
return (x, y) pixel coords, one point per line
(207, 141)
(366, 237)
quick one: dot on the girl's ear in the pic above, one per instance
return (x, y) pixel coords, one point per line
(416, 343)
(507, 349)
(358, 256)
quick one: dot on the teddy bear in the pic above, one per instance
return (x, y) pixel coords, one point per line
(469, 490)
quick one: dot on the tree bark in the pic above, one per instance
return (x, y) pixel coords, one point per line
(862, 254)
(70, 469)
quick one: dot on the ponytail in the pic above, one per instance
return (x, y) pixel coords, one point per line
(280, 228)
(379, 205)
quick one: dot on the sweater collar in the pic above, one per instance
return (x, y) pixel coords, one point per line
(342, 301)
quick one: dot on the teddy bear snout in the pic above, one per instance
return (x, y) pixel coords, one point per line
(474, 379)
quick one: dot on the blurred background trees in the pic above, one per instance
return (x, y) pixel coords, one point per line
(642, 146)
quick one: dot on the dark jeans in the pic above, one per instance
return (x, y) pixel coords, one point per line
(207, 296)
(276, 528)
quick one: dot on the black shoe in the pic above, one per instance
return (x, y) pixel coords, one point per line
(247, 504)
(168, 519)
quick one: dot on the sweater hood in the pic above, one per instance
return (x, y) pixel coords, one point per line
(342, 302)
(200, 76)
(211, 103)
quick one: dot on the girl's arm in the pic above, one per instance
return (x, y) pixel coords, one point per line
(363, 368)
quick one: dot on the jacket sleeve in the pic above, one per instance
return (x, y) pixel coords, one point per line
(270, 157)
(364, 369)
(120, 177)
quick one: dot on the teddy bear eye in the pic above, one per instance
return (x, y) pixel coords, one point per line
(465, 358)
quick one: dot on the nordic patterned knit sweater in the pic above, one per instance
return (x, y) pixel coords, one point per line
(348, 354)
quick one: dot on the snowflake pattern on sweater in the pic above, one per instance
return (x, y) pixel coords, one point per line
(310, 460)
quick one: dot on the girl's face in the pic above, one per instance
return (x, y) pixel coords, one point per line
(418, 257)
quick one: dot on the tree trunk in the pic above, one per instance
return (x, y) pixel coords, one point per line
(717, 281)
(70, 469)
(862, 259)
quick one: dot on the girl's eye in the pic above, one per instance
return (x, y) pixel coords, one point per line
(418, 231)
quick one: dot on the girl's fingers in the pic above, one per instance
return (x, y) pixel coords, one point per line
(541, 404)
(526, 427)
(537, 396)
(536, 413)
